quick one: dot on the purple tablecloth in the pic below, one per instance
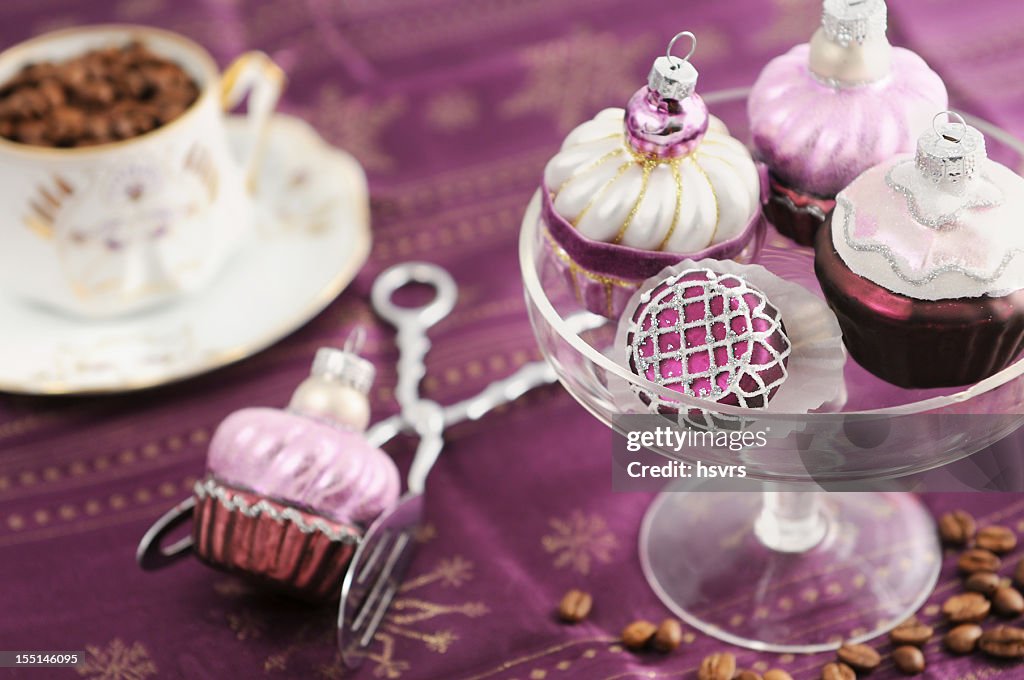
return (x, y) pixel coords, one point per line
(453, 106)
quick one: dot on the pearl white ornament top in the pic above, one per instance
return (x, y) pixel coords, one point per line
(941, 224)
(614, 194)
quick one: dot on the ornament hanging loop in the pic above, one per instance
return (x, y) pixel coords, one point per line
(672, 43)
(957, 120)
(355, 340)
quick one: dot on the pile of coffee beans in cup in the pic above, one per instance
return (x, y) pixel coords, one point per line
(101, 96)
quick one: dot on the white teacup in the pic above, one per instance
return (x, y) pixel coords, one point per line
(109, 229)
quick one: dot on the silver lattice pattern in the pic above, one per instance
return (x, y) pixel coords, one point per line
(728, 303)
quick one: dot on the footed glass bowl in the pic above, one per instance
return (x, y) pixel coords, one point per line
(788, 569)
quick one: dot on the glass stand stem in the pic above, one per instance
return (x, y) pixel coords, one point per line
(791, 521)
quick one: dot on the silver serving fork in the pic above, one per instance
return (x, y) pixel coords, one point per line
(375, 574)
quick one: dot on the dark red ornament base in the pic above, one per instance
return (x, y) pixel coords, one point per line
(794, 214)
(919, 343)
(273, 552)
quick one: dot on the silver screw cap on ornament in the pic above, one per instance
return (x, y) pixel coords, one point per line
(344, 365)
(672, 77)
(854, 21)
(951, 152)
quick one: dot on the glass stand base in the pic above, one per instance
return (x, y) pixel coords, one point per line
(875, 564)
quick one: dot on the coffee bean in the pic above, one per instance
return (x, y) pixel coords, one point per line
(636, 635)
(911, 632)
(1018, 574)
(984, 582)
(748, 675)
(668, 636)
(718, 666)
(908, 659)
(976, 559)
(956, 527)
(777, 674)
(859, 657)
(1003, 642)
(963, 638)
(997, 539)
(1008, 602)
(966, 608)
(575, 606)
(837, 671)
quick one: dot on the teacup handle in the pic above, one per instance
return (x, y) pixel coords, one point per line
(254, 74)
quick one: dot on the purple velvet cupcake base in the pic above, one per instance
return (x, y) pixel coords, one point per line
(604, 276)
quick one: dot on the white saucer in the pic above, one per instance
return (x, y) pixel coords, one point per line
(312, 234)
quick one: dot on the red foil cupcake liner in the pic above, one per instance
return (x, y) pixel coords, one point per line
(604, 276)
(796, 215)
(294, 550)
(919, 343)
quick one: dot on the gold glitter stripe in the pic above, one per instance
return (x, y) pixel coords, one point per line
(636, 204)
(678, 176)
(593, 166)
(718, 210)
(622, 171)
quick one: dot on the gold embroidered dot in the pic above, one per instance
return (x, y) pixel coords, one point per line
(67, 512)
(101, 463)
(27, 478)
(497, 363)
(833, 589)
(15, 522)
(931, 610)
(127, 456)
(166, 489)
(905, 564)
(563, 665)
(760, 666)
(92, 507)
(785, 604)
(117, 501)
(859, 580)
(538, 674)
(451, 376)
(143, 495)
(475, 369)
(736, 620)
(51, 474)
(175, 443)
(809, 595)
(787, 658)
(189, 482)
(590, 654)
(5, 483)
(857, 632)
(150, 450)
(199, 436)
(77, 468)
(689, 638)
(41, 516)
(615, 649)
(761, 613)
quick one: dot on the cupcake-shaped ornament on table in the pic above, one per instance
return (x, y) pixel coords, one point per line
(634, 191)
(923, 262)
(826, 111)
(288, 493)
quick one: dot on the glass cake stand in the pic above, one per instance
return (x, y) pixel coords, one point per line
(788, 568)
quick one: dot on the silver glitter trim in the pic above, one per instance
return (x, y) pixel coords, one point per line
(894, 263)
(670, 296)
(672, 78)
(854, 21)
(233, 502)
(946, 222)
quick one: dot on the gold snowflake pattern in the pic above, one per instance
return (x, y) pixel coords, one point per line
(573, 77)
(245, 624)
(117, 661)
(356, 123)
(453, 110)
(579, 540)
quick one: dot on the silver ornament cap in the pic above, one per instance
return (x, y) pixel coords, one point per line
(950, 154)
(854, 21)
(673, 77)
(345, 367)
